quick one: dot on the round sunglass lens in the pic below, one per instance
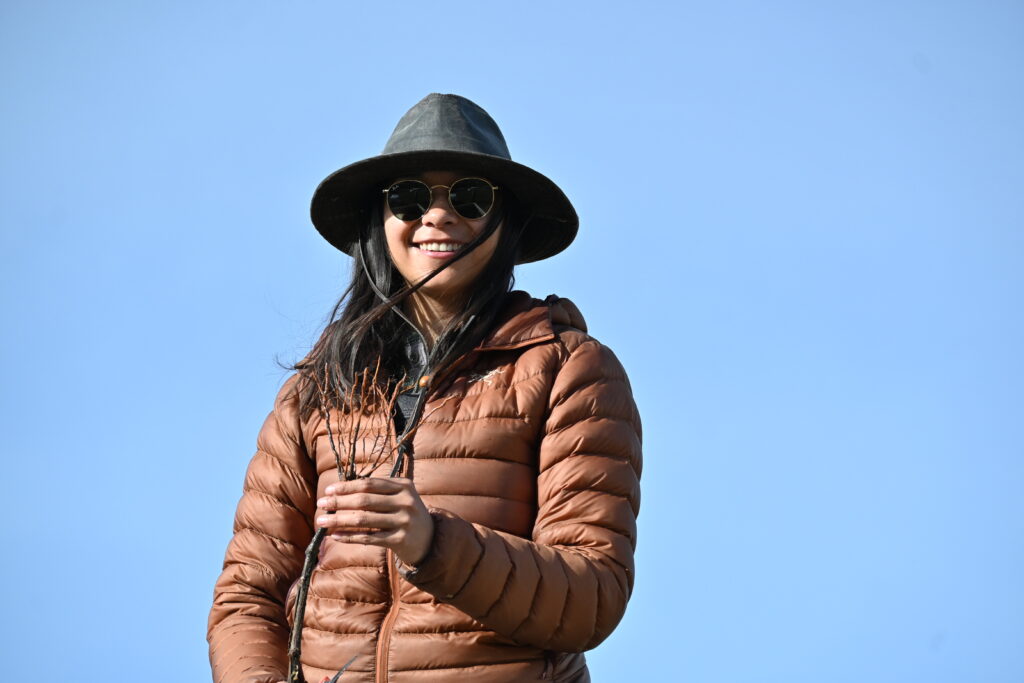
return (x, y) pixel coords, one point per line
(408, 199)
(472, 197)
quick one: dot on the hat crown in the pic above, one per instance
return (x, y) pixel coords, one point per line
(450, 123)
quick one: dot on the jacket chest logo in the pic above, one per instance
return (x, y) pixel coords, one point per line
(486, 377)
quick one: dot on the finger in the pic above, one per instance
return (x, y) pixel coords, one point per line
(386, 539)
(381, 485)
(349, 520)
(363, 501)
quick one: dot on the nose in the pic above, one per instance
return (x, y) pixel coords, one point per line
(440, 211)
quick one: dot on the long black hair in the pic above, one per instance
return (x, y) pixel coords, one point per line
(367, 332)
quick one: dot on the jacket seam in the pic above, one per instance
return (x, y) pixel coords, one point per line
(565, 602)
(605, 379)
(245, 654)
(533, 599)
(559, 525)
(454, 420)
(320, 596)
(276, 499)
(279, 501)
(307, 627)
(270, 536)
(263, 569)
(323, 570)
(270, 454)
(585, 454)
(479, 495)
(474, 457)
(592, 568)
(472, 571)
(588, 418)
(504, 586)
(603, 492)
(473, 666)
(443, 633)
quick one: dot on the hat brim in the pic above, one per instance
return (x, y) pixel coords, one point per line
(340, 206)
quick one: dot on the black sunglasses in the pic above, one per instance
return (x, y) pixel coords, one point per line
(471, 198)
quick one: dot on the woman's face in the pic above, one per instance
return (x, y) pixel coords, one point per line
(421, 246)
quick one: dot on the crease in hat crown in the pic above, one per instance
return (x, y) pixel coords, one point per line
(447, 122)
(445, 132)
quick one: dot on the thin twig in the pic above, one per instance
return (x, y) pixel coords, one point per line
(361, 401)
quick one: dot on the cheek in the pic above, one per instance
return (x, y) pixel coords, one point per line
(488, 248)
(488, 253)
(394, 235)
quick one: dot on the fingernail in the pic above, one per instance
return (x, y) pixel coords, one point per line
(329, 490)
(322, 502)
(322, 521)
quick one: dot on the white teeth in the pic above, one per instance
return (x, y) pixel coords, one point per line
(438, 246)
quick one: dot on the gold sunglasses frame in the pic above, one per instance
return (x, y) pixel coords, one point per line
(431, 188)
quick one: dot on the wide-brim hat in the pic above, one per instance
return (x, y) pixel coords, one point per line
(445, 132)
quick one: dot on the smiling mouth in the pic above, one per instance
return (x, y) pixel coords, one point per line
(438, 247)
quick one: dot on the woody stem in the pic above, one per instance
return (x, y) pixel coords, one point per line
(295, 643)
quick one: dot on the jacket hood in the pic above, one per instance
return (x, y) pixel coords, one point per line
(525, 320)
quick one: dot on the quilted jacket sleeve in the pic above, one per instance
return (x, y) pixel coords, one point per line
(566, 588)
(248, 633)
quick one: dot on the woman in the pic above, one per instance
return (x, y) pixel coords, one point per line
(470, 454)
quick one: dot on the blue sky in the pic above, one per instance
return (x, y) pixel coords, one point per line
(802, 231)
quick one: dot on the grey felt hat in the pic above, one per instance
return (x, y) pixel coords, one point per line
(444, 132)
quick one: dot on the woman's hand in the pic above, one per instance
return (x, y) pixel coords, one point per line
(379, 511)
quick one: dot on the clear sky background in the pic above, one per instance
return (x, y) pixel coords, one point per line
(802, 231)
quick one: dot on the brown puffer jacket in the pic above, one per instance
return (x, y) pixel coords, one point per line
(529, 459)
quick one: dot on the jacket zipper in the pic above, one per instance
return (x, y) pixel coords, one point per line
(427, 386)
(384, 639)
